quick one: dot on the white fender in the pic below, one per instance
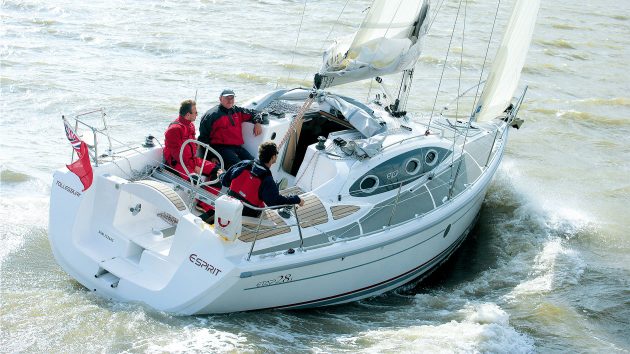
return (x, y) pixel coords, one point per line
(228, 219)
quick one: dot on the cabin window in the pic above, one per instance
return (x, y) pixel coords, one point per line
(431, 157)
(369, 184)
(413, 166)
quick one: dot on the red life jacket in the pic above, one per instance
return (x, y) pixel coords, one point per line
(220, 126)
(247, 186)
(173, 144)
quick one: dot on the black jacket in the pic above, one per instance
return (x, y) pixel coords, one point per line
(222, 126)
(268, 191)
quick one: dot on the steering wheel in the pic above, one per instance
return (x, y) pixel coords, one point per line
(191, 176)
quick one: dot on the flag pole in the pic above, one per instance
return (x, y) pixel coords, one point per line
(63, 117)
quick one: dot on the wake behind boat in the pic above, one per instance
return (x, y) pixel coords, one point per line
(389, 195)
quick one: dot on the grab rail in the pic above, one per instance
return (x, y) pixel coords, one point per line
(297, 220)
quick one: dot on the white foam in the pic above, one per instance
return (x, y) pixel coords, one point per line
(549, 205)
(479, 328)
(544, 217)
(198, 340)
(19, 216)
(554, 267)
(12, 239)
(486, 313)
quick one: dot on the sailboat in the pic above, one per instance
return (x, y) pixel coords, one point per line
(389, 195)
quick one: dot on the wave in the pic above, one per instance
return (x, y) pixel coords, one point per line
(558, 43)
(12, 239)
(24, 221)
(616, 101)
(564, 26)
(555, 267)
(44, 22)
(195, 339)
(587, 117)
(476, 328)
(254, 78)
(249, 77)
(543, 111)
(584, 117)
(537, 235)
(428, 59)
(566, 55)
(620, 17)
(294, 66)
(543, 68)
(573, 114)
(9, 176)
(620, 193)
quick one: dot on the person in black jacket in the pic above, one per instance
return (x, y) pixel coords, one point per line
(251, 181)
(220, 128)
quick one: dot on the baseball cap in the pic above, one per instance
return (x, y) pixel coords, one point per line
(227, 92)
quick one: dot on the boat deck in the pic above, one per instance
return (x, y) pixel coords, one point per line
(311, 214)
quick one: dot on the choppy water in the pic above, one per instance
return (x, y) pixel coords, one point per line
(546, 270)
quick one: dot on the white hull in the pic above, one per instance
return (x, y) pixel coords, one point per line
(381, 267)
(191, 270)
(386, 196)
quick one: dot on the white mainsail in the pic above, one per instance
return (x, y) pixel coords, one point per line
(508, 63)
(388, 41)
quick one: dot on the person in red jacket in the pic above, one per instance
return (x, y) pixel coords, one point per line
(252, 182)
(221, 128)
(180, 130)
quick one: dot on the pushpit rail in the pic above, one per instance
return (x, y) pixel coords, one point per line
(104, 131)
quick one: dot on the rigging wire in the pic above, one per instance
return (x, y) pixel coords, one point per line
(485, 58)
(435, 16)
(333, 26)
(459, 86)
(379, 46)
(437, 92)
(461, 60)
(470, 117)
(369, 93)
(297, 39)
(407, 88)
(321, 48)
(391, 22)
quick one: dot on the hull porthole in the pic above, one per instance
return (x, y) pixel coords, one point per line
(448, 228)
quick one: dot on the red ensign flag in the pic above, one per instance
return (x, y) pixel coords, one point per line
(81, 167)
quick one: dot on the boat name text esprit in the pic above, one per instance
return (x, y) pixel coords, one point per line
(194, 259)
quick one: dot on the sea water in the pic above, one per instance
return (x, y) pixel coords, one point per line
(547, 269)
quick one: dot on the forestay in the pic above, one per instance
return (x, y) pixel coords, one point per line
(388, 41)
(508, 63)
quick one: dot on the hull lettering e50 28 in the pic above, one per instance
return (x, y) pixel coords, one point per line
(194, 259)
(284, 278)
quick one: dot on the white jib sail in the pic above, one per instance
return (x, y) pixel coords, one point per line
(508, 63)
(387, 42)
